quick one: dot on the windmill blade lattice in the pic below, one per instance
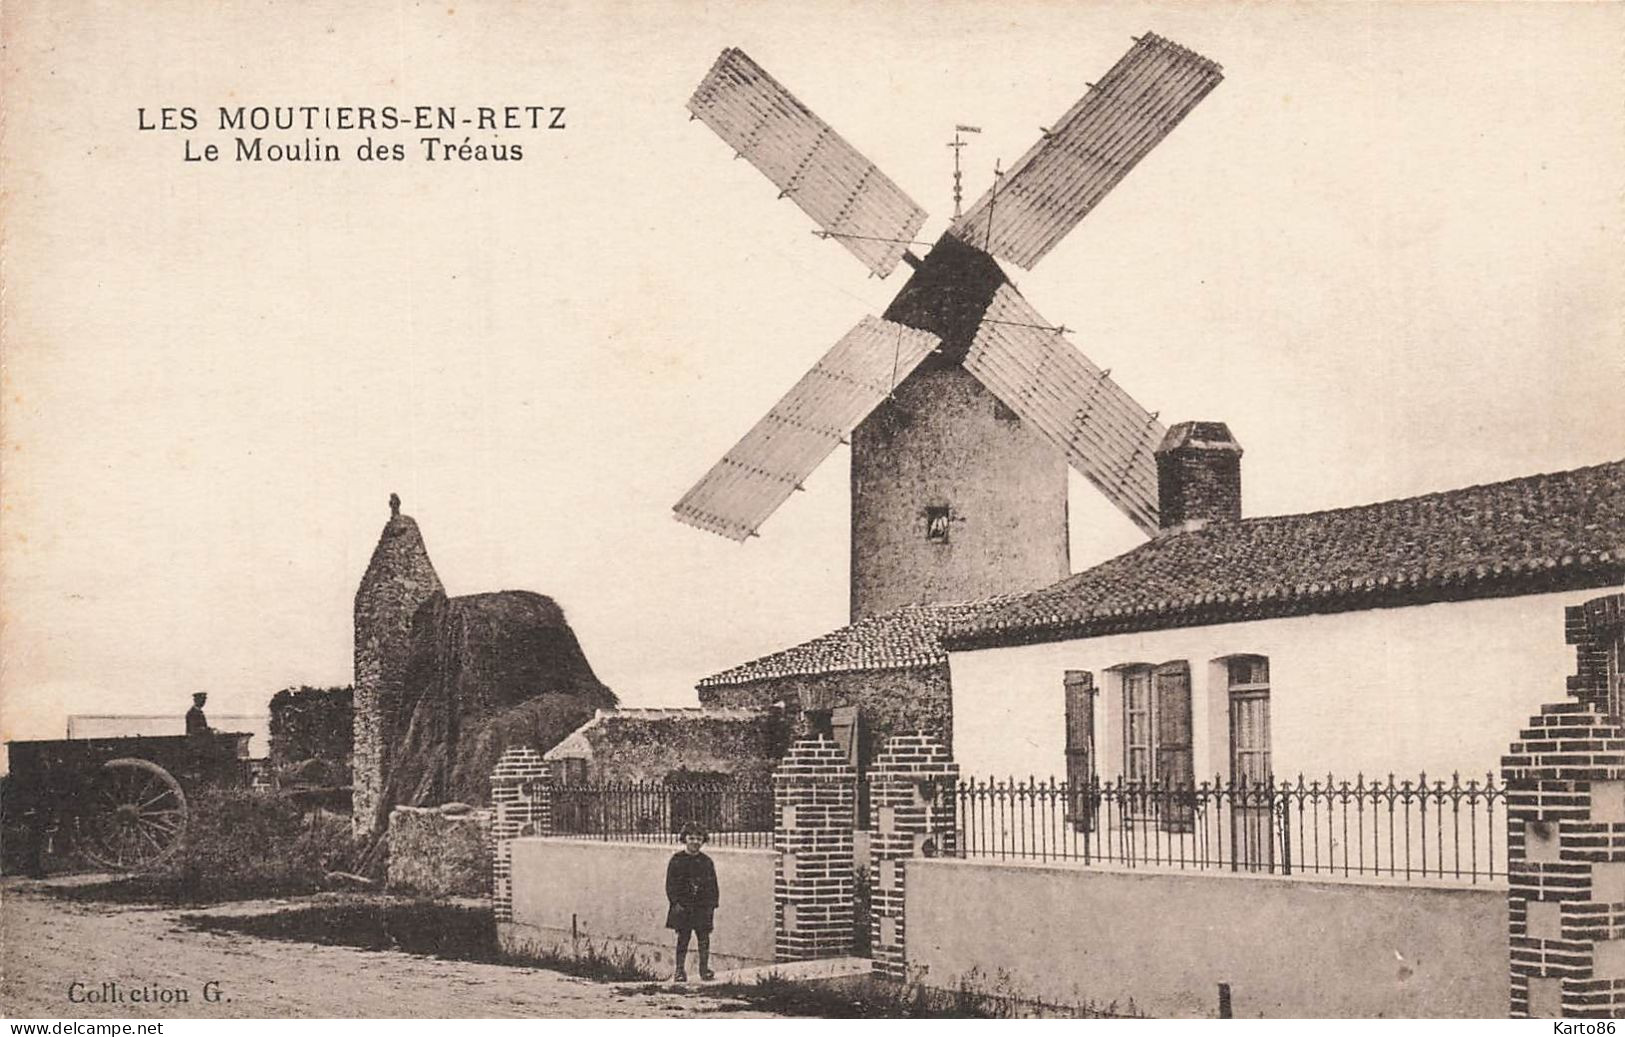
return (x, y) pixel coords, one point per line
(1071, 402)
(1094, 145)
(844, 193)
(740, 491)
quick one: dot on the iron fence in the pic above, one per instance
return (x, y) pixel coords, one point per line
(1401, 830)
(732, 813)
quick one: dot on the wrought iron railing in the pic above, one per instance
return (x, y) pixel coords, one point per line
(732, 813)
(1391, 829)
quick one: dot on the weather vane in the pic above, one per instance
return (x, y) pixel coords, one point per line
(956, 145)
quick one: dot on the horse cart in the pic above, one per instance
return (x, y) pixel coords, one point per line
(120, 802)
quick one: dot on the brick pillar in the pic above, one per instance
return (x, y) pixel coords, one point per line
(521, 804)
(914, 810)
(1565, 781)
(1596, 629)
(815, 801)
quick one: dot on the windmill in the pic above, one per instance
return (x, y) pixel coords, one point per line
(963, 405)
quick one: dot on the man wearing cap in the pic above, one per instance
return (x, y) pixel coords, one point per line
(196, 722)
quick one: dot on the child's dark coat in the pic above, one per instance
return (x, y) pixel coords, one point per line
(691, 890)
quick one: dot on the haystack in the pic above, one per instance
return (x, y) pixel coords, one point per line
(483, 672)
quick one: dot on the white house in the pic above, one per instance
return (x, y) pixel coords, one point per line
(1405, 636)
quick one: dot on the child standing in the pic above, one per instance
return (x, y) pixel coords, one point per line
(691, 892)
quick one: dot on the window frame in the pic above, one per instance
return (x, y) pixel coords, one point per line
(1253, 800)
(1238, 694)
(1145, 762)
(1137, 768)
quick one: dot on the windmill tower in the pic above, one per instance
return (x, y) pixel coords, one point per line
(963, 405)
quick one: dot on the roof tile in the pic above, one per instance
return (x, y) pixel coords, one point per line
(907, 637)
(1541, 532)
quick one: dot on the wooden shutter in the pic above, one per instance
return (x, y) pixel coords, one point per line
(1080, 710)
(1175, 764)
(1079, 688)
(844, 728)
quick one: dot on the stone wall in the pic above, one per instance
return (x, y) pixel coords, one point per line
(398, 580)
(440, 851)
(890, 702)
(651, 745)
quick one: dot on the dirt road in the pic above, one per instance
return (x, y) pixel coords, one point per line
(53, 952)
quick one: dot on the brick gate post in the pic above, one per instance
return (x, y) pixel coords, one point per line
(814, 800)
(1565, 781)
(915, 809)
(521, 804)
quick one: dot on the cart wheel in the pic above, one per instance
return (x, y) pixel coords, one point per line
(132, 816)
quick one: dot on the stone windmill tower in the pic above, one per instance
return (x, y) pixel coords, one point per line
(962, 404)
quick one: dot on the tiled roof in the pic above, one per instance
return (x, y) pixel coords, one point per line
(1544, 532)
(907, 637)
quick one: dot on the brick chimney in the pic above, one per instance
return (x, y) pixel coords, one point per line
(1198, 476)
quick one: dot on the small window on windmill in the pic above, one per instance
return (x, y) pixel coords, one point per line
(936, 523)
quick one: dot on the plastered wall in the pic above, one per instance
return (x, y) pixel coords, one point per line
(1430, 687)
(1288, 948)
(612, 895)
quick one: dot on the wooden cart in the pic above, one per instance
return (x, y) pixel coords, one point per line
(122, 801)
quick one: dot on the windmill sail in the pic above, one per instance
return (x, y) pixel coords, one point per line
(1094, 145)
(739, 492)
(814, 166)
(1068, 400)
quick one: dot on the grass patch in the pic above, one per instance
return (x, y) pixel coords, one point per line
(166, 891)
(427, 928)
(871, 997)
(602, 963)
(239, 845)
(447, 931)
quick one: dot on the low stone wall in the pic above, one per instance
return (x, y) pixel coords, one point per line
(440, 851)
(1287, 947)
(578, 897)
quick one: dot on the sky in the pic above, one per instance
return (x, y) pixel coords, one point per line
(1387, 251)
